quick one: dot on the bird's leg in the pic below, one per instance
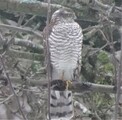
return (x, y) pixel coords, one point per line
(62, 76)
(68, 84)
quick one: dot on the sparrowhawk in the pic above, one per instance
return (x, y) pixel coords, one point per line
(65, 46)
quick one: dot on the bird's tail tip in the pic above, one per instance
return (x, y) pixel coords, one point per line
(61, 105)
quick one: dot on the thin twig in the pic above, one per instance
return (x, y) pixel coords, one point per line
(99, 49)
(97, 116)
(115, 67)
(1, 37)
(11, 87)
(31, 19)
(48, 56)
(8, 98)
(107, 42)
(14, 34)
(111, 44)
(118, 81)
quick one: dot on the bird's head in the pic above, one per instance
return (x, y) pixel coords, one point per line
(63, 15)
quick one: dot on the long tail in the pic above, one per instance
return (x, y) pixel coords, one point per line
(61, 105)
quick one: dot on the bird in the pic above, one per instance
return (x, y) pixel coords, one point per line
(65, 47)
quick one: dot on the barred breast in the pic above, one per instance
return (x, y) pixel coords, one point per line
(65, 43)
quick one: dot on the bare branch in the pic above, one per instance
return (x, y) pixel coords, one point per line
(106, 9)
(76, 87)
(26, 43)
(20, 29)
(92, 32)
(24, 55)
(36, 8)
